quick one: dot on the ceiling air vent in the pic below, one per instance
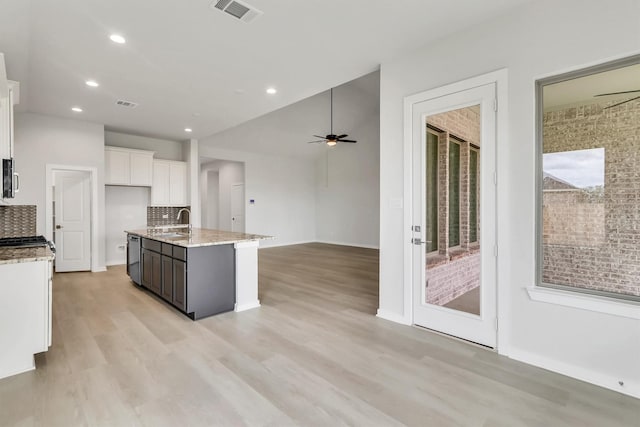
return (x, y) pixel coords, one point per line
(238, 10)
(128, 104)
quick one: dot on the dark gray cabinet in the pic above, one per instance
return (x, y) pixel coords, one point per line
(167, 278)
(151, 270)
(199, 281)
(179, 284)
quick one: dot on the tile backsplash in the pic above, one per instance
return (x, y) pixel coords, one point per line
(155, 215)
(18, 220)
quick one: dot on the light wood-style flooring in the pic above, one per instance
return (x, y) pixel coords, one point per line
(314, 354)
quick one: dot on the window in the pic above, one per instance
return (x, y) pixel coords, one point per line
(454, 193)
(432, 192)
(588, 220)
(473, 194)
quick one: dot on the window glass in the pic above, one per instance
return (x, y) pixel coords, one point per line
(473, 195)
(589, 185)
(454, 194)
(432, 193)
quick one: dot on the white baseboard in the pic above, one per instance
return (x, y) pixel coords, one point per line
(393, 317)
(579, 373)
(355, 245)
(99, 269)
(247, 306)
(276, 245)
(116, 262)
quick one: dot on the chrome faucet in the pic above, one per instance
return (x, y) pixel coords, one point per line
(189, 212)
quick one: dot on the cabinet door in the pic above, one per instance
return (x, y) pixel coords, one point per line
(156, 272)
(167, 278)
(5, 128)
(178, 189)
(161, 182)
(180, 284)
(147, 268)
(141, 169)
(117, 167)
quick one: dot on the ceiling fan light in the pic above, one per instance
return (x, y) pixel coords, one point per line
(331, 142)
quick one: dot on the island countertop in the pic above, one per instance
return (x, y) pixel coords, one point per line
(198, 237)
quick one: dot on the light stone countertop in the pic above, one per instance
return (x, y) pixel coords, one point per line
(15, 255)
(199, 237)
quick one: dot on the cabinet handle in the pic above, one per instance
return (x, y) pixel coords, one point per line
(17, 176)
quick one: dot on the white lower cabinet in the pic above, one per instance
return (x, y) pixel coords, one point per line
(25, 314)
(169, 183)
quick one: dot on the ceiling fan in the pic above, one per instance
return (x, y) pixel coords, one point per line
(332, 139)
(620, 93)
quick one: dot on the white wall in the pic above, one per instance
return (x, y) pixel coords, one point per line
(42, 140)
(163, 148)
(283, 189)
(541, 38)
(210, 194)
(348, 175)
(345, 192)
(125, 209)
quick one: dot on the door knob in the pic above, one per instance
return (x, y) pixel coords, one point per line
(58, 227)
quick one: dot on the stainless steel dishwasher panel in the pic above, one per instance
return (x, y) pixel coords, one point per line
(133, 259)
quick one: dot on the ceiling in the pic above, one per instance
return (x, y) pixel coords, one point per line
(287, 131)
(582, 90)
(188, 65)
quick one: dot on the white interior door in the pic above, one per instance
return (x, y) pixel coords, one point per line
(454, 218)
(72, 224)
(237, 208)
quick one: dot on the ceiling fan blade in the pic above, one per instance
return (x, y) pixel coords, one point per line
(618, 93)
(342, 136)
(620, 103)
(321, 137)
(346, 140)
(315, 142)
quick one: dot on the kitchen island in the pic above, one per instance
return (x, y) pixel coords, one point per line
(201, 273)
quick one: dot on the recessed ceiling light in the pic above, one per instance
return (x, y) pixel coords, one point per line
(92, 83)
(117, 38)
(271, 90)
(188, 130)
(76, 109)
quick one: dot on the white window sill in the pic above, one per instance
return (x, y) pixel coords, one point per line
(595, 303)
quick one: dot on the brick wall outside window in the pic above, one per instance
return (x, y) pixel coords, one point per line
(591, 239)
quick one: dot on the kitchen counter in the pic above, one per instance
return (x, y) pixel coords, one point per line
(16, 255)
(199, 237)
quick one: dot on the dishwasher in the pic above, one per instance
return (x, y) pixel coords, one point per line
(133, 259)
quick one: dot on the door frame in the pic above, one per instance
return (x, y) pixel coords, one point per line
(500, 78)
(48, 209)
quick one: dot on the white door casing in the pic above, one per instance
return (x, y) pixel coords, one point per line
(237, 208)
(482, 328)
(72, 221)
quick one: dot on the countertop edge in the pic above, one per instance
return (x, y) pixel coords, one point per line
(181, 241)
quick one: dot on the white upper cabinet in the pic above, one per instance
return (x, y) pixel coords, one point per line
(169, 183)
(6, 118)
(125, 166)
(141, 169)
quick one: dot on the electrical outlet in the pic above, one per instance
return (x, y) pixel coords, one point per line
(121, 248)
